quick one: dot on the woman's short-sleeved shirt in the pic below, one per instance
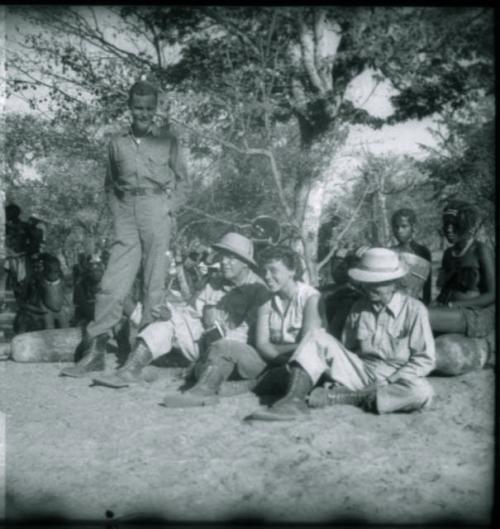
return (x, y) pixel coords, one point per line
(285, 325)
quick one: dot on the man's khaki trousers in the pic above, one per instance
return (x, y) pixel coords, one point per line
(141, 236)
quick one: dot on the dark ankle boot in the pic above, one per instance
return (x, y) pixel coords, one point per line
(205, 391)
(292, 404)
(364, 398)
(300, 384)
(93, 359)
(131, 372)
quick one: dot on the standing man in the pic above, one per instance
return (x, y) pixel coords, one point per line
(144, 166)
(225, 309)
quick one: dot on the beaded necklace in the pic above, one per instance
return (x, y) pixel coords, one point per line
(464, 250)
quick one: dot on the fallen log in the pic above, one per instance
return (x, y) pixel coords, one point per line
(49, 345)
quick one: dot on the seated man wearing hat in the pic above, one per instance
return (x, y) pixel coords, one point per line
(225, 308)
(387, 349)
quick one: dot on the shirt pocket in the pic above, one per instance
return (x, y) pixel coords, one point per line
(399, 343)
(158, 167)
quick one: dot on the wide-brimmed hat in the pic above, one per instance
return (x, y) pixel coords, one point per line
(377, 265)
(238, 245)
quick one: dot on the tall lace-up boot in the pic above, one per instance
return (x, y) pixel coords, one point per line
(93, 359)
(205, 391)
(131, 372)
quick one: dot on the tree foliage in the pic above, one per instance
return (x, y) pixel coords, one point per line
(66, 187)
(464, 165)
(258, 94)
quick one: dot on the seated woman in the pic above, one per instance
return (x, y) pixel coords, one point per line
(291, 311)
(466, 303)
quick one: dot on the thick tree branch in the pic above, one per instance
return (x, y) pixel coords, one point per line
(307, 49)
(327, 37)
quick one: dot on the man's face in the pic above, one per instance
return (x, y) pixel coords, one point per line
(231, 266)
(143, 109)
(403, 230)
(379, 293)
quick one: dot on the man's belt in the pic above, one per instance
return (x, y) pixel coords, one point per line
(145, 191)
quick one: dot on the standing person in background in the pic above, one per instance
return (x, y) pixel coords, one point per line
(403, 223)
(2, 251)
(15, 245)
(79, 268)
(144, 166)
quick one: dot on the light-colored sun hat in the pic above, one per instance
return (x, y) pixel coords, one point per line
(377, 265)
(238, 245)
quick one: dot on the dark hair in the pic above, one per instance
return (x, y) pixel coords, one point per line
(463, 214)
(142, 88)
(12, 211)
(50, 262)
(290, 258)
(407, 213)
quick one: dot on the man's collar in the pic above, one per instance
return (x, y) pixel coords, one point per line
(154, 131)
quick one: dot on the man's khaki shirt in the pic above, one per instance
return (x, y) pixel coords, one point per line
(152, 162)
(399, 337)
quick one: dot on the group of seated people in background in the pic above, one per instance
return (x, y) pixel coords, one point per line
(276, 333)
(370, 343)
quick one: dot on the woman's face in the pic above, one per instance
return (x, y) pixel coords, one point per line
(277, 275)
(450, 230)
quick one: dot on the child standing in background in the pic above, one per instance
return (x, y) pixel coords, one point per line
(403, 223)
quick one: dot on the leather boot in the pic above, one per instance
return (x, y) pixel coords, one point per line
(205, 391)
(321, 397)
(131, 372)
(293, 403)
(93, 359)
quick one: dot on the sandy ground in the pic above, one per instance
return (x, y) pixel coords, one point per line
(76, 452)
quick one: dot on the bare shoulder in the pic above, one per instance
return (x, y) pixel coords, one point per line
(484, 250)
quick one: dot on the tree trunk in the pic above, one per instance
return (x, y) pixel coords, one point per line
(310, 225)
(2, 228)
